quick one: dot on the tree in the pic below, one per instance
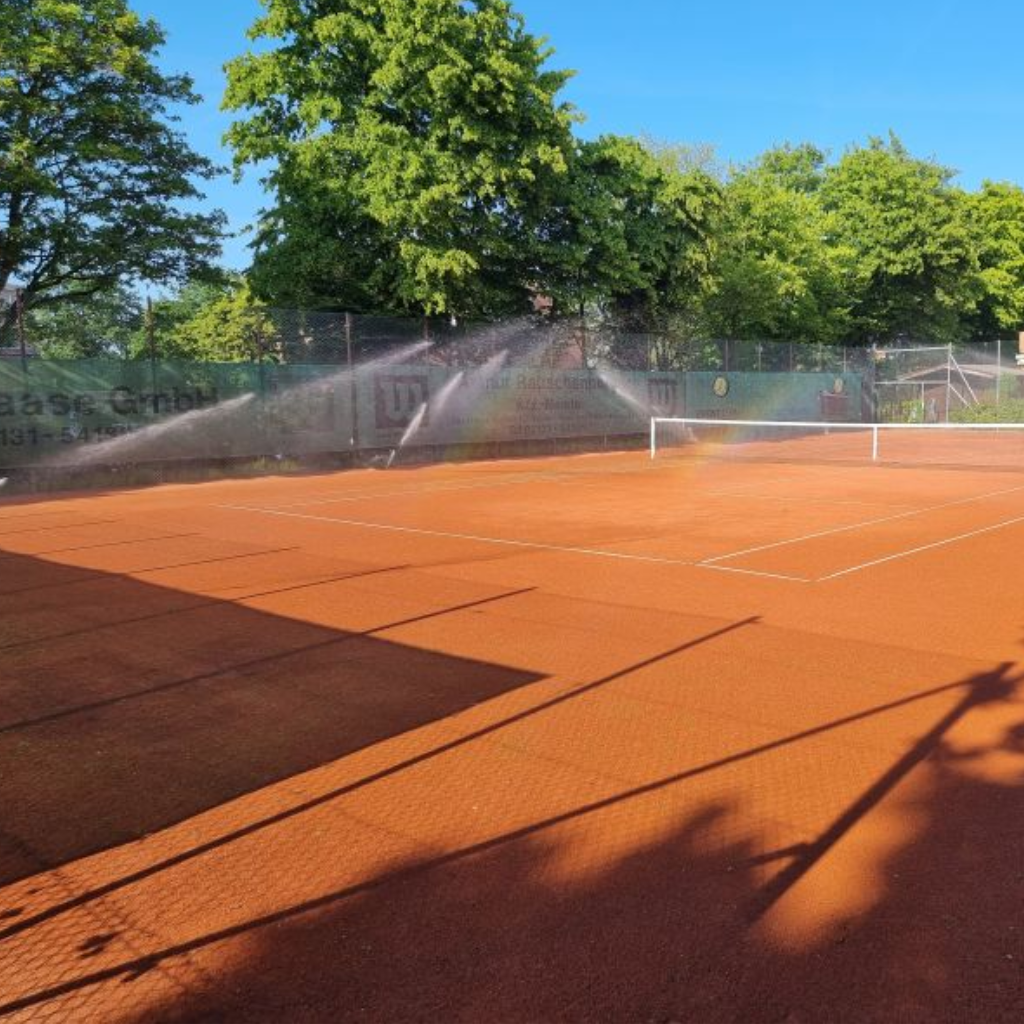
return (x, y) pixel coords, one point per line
(997, 213)
(106, 324)
(777, 275)
(914, 272)
(93, 181)
(798, 168)
(206, 321)
(685, 157)
(232, 327)
(413, 144)
(629, 232)
(316, 248)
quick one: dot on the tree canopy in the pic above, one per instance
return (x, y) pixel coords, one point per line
(95, 185)
(419, 160)
(107, 325)
(414, 144)
(628, 232)
(776, 275)
(878, 246)
(915, 266)
(997, 214)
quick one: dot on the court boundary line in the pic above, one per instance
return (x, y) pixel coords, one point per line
(707, 563)
(554, 478)
(817, 499)
(525, 477)
(922, 547)
(859, 526)
(450, 535)
(625, 556)
(753, 572)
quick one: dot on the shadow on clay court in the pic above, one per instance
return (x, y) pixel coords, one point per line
(668, 932)
(126, 707)
(665, 930)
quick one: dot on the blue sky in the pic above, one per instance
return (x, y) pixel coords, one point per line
(740, 74)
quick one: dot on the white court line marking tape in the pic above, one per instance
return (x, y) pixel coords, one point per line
(571, 475)
(859, 526)
(594, 552)
(753, 572)
(533, 545)
(923, 547)
(598, 552)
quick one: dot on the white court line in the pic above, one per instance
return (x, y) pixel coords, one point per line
(703, 564)
(923, 547)
(859, 526)
(594, 552)
(753, 572)
(598, 552)
(552, 476)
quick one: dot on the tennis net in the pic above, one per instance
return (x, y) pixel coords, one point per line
(960, 445)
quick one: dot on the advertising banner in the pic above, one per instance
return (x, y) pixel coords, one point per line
(102, 411)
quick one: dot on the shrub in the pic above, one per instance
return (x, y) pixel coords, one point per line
(1008, 411)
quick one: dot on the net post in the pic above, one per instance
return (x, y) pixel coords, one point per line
(653, 422)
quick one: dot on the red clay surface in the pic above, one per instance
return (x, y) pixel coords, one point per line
(588, 738)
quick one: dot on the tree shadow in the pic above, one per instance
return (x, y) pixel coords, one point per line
(126, 707)
(523, 927)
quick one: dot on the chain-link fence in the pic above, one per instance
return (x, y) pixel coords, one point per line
(306, 383)
(290, 336)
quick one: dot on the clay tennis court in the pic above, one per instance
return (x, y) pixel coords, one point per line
(578, 738)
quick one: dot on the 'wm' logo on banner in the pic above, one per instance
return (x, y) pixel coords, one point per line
(397, 397)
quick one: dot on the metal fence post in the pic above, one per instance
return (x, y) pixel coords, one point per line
(999, 369)
(19, 319)
(353, 388)
(583, 334)
(949, 376)
(260, 370)
(151, 343)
